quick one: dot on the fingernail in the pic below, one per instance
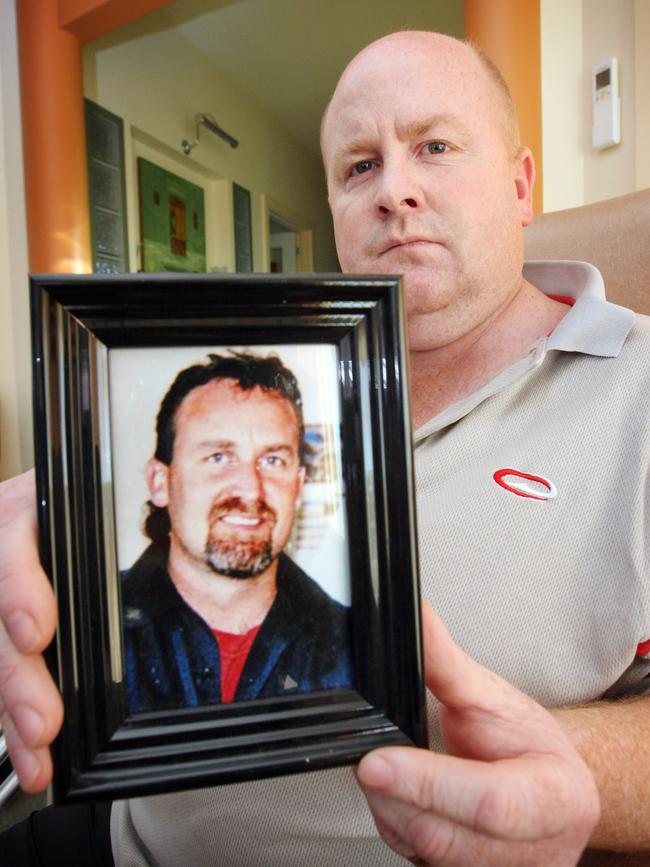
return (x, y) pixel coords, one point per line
(375, 771)
(27, 768)
(22, 630)
(29, 722)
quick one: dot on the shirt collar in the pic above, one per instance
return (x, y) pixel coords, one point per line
(592, 326)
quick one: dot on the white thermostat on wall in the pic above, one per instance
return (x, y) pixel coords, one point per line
(606, 127)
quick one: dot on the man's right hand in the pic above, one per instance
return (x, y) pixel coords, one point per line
(31, 710)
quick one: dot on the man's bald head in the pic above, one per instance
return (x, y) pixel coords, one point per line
(424, 40)
(425, 179)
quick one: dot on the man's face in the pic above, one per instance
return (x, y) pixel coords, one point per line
(423, 182)
(234, 482)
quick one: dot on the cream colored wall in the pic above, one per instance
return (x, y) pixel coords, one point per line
(576, 35)
(563, 142)
(608, 30)
(16, 451)
(642, 95)
(157, 82)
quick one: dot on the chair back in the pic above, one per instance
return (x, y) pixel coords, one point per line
(614, 235)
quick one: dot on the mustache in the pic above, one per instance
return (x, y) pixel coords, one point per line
(257, 508)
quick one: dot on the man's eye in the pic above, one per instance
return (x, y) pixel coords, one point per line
(217, 458)
(362, 167)
(274, 461)
(436, 147)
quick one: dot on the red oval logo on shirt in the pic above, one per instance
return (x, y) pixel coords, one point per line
(518, 483)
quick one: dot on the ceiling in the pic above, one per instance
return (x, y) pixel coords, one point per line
(288, 54)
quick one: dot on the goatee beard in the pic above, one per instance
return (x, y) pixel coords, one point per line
(226, 552)
(238, 560)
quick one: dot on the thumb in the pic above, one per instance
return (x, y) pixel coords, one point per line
(27, 605)
(456, 679)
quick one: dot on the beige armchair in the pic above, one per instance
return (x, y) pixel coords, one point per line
(614, 235)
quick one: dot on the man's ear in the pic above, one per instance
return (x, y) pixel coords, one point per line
(524, 182)
(157, 475)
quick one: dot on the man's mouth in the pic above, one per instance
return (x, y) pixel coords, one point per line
(406, 243)
(242, 520)
(239, 514)
(239, 542)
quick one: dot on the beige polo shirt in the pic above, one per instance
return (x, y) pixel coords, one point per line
(541, 573)
(547, 579)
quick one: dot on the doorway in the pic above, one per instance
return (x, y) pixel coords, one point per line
(289, 244)
(282, 246)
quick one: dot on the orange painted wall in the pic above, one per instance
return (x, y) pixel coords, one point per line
(509, 32)
(50, 36)
(56, 187)
(90, 19)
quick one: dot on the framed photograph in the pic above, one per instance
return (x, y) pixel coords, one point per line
(172, 220)
(226, 512)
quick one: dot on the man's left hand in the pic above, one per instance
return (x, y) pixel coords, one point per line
(512, 792)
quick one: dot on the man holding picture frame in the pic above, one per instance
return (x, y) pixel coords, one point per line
(426, 178)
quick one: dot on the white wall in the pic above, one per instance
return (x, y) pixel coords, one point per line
(563, 141)
(157, 82)
(642, 96)
(608, 30)
(15, 381)
(576, 35)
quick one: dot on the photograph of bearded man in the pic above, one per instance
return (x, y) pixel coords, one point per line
(214, 610)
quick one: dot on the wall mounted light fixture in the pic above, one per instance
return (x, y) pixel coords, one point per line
(208, 121)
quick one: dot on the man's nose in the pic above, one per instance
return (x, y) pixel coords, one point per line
(398, 190)
(246, 480)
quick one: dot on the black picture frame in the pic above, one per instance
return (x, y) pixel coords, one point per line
(102, 752)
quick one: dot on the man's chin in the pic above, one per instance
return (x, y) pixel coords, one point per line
(238, 562)
(426, 292)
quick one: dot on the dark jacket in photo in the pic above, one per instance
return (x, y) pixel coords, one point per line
(172, 657)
